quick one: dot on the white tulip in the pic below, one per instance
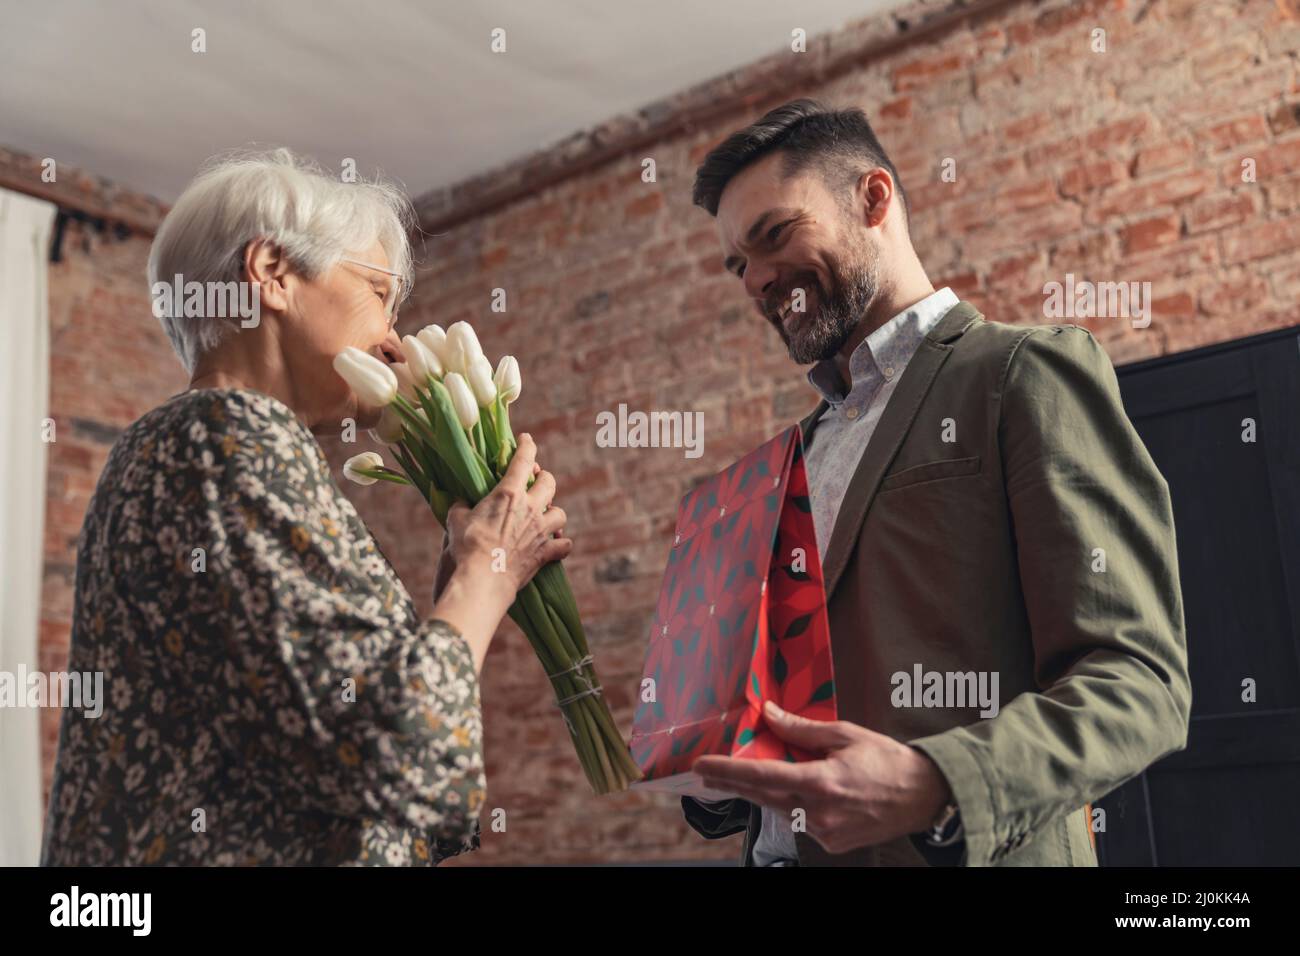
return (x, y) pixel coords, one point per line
(389, 429)
(480, 381)
(372, 381)
(462, 348)
(367, 459)
(405, 381)
(433, 338)
(422, 361)
(462, 400)
(507, 378)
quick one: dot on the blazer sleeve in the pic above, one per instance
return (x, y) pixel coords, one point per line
(1110, 652)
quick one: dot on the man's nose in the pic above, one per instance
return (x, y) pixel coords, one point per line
(759, 280)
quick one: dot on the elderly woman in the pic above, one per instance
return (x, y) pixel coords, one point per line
(274, 697)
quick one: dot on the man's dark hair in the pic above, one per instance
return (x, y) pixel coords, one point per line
(840, 144)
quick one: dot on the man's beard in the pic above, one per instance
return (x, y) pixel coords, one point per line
(820, 335)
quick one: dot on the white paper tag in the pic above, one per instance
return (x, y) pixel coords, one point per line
(687, 784)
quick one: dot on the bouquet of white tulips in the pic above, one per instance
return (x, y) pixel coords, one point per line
(446, 419)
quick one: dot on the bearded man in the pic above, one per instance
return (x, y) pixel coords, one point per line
(985, 512)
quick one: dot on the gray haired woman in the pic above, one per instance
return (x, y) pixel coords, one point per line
(274, 697)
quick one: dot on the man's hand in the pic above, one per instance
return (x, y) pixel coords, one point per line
(867, 789)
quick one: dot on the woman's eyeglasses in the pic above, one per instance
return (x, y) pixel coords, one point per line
(396, 288)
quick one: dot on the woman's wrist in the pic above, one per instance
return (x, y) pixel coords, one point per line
(477, 580)
(474, 602)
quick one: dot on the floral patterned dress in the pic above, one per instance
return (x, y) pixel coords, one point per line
(272, 695)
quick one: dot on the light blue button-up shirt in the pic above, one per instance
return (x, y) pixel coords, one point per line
(837, 442)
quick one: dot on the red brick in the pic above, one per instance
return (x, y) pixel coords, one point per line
(589, 479)
(534, 215)
(898, 109)
(493, 257)
(1238, 293)
(1230, 58)
(1284, 117)
(1027, 126)
(1254, 89)
(963, 284)
(1217, 212)
(1117, 136)
(1261, 240)
(990, 39)
(924, 70)
(1197, 256)
(1119, 132)
(1014, 198)
(1007, 72)
(1149, 194)
(1163, 156)
(1276, 159)
(1088, 176)
(1014, 268)
(1232, 134)
(644, 206)
(1181, 305)
(1157, 231)
(1282, 193)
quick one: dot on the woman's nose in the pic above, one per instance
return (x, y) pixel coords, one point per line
(391, 348)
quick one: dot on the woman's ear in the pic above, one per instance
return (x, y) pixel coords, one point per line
(266, 267)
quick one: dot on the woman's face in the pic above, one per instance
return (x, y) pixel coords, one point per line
(342, 307)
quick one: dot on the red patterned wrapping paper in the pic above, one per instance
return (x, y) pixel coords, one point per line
(741, 619)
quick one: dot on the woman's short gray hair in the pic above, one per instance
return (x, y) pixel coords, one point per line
(316, 219)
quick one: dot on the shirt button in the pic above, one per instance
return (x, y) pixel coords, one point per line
(889, 372)
(852, 413)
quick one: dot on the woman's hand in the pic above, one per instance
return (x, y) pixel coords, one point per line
(510, 533)
(496, 548)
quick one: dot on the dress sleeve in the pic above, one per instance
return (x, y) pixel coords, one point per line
(379, 711)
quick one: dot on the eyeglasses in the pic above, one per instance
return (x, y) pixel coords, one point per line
(396, 289)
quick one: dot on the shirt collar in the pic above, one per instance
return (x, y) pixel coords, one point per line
(891, 345)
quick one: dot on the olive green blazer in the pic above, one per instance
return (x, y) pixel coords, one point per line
(1005, 517)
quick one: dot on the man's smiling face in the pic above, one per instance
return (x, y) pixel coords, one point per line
(781, 235)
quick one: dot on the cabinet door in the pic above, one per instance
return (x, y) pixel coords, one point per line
(1233, 796)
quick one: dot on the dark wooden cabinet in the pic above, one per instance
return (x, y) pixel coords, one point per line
(1232, 797)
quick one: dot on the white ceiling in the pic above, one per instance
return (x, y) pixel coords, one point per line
(410, 88)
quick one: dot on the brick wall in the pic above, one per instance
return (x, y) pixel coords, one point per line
(1124, 165)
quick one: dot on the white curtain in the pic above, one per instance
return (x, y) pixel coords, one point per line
(25, 225)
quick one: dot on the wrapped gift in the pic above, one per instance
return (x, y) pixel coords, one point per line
(741, 620)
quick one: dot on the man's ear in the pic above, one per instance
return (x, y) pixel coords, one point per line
(266, 266)
(875, 195)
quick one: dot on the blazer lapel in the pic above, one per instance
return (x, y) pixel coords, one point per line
(888, 437)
